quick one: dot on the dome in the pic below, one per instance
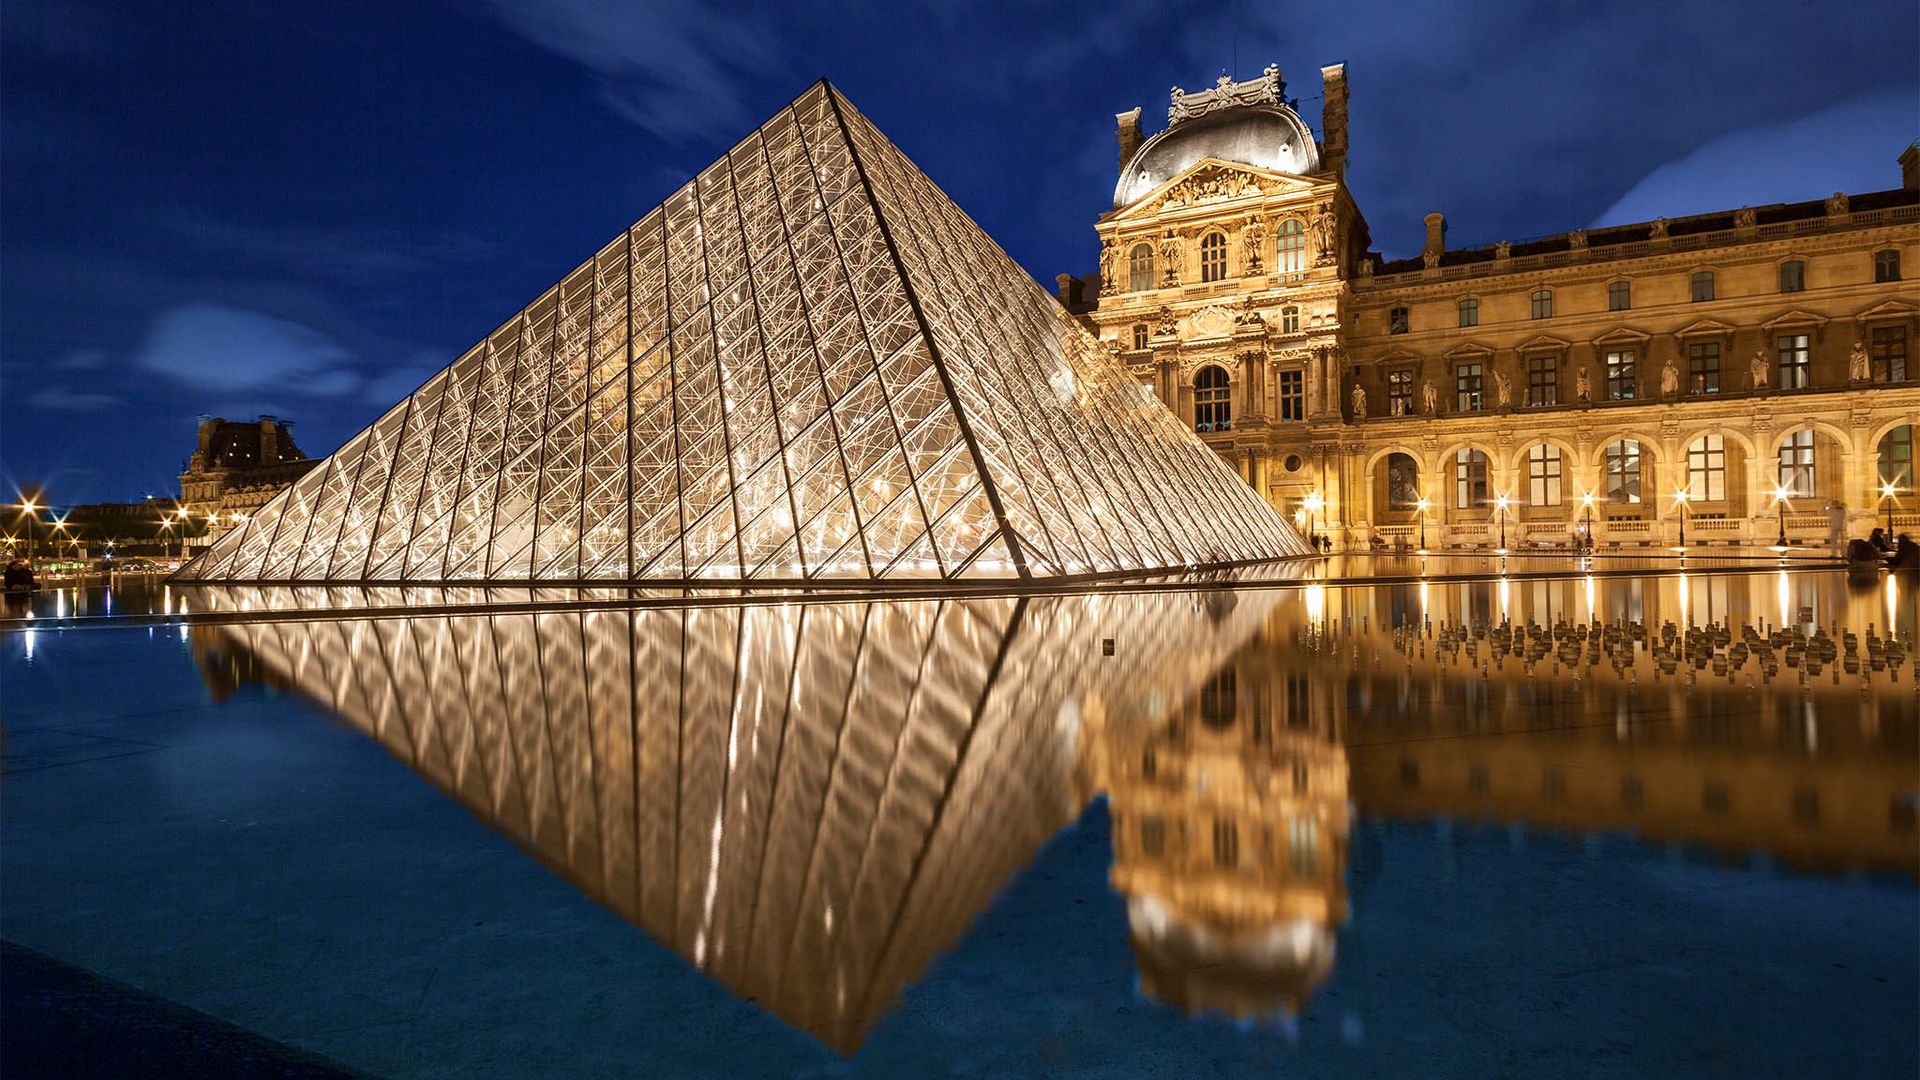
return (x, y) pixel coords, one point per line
(1266, 137)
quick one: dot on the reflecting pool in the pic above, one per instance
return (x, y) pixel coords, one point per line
(1572, 825)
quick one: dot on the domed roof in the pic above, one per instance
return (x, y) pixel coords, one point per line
(1266, 137)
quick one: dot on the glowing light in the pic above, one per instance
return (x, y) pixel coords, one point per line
(1316, 604)
(1893, 602)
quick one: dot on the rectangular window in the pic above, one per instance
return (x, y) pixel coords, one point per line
(1793, 276)
(1542, 303)
(1397, 321)
(1889, 352)
(1399, 393)
(1707, 469)
(1886, 265)
(1543, 380)
(1702, 286)
(1796, 463)
(1896, 458)
(1623, 472)
(1703, 367)
(1289, 320)
(1303, 845)
(1796, 362)
(1543, 475)
(1213, 257)
(1469, 480)
(1620, 296)
(1469, 313)
(1466, 388)
(1622, 374)
(1293, 395)
(1140, 335)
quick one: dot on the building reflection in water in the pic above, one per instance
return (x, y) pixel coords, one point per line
(810, 802)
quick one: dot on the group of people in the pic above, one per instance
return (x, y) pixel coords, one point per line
(1900, 553)
(19, 576)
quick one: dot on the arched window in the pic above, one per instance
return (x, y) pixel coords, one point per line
(1289, 320)
(1469, 480)
(1403, 482)
(1212, 404)
(1140, 268)
(1139, 335)
(1707, 469)
(1796, 463)
(1543, 475)
(1213, 257)
(1290, 247)
(1896, 458)
(1623, 472)
(1542, 301)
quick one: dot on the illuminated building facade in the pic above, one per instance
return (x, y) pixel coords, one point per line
(237, 468)
(1601, 384)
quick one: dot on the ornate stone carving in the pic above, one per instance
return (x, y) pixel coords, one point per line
(1430, 259)
(1582, 384)
(1503, 250)
(1859, 367)
(1745, 218)
(1359, 402)
(1247, 318)
(1502, 388)
(1669, 380)
(1106, 270)
(1577, 240)
(1366, 268)
(1213, 321)
(1757, 369)
(1324, 230)
(1253, 238)
(1429, 398)
(1169, 260)
(1659, 228)
(1210, 185)
(1837, 204)
(1227, 94)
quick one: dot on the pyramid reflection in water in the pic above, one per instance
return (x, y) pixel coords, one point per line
(808, 802)
(807, 365)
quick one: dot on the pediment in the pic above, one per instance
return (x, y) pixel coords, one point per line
(1468, 349)
(1796, 317)
(1703, 327)
(1622, 335)
(1210, 181)
(1888, 309)
(1545, 343)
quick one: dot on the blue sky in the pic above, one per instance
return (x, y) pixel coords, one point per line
(303, 210)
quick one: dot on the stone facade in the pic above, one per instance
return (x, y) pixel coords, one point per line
(1543, 392)
(235, 469)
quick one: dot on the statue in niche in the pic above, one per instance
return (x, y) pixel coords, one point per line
(1582, 385)
(1252, 239)
(1757, 369)
(1106, 270)
(1859, 365)
(1669, 380)
(1359, 402)
(1501, 388)
(1429, 398)
(1170, 259)
(1323, 235)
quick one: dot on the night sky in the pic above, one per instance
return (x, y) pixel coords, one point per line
(306, 209)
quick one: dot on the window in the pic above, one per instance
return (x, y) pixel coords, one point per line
(1469, 479)
(1140, 268)
(1623, 472)
(1303, 844)
(1289, 320)
(1543, 475)
(1796, 362)
(1896, 458)
(1620, 296)
(1469, 313)
(1796, 463)
(1153, 835)
(1212, 404)
(1213, 257)
(1542, 300)
(1793, 276)
(1397, 321)
(1403, 482)
(1543, 380)
(1886, 265)
(1226, 844)
(1622, 374)
(1400, 393)
(1139, 335)
(1707, 469)
(1220, 699)
(1290, 247)
(1466, 388)
(1889, 352)
(1702, 285)
(1293, 395)
(1703, 367)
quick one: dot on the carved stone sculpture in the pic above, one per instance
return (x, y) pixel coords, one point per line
(1582, 384)
(1757, 369)
(1745, 218)
(1106, 270)
(1429, 398)
(1859, 366)
(1359, 402)
(1501, 388)
(1169, 260)
(1659, 228)
(1503, 250)
(1577, 240)
(1837, 204)
(1253, 238)
(1669, 380)
(1430, 259)
(1323, 236)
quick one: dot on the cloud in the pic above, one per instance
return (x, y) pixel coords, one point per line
(81, 360)
(210, 347)
(676, 70)
(390, 386)
(1791, 161)
(61, 399)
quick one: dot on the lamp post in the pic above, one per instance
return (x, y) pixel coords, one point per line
(1500, 513)
(1886, 495)
(30, 508)
(1586, 500)
(1780, 504)
(1422, 507)
(1680, 500)
(1314, 503)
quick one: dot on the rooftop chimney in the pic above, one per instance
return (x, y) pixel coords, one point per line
(1910, 167)
(1127, 130)
(1333, 118)
(1436, 238)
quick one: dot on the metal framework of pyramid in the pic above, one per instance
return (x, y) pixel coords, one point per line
(807, 365)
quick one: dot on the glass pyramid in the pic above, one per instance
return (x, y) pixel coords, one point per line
(807, 365)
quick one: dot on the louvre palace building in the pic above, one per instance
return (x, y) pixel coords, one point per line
(1720, 378)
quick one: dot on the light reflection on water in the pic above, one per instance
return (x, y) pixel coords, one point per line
(812, 801)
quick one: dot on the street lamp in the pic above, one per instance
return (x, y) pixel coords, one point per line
(1422, 507)
(1500, 512)
(1680, 500)
(1886, 495)
(1314, 503)
(29, 507)
(1586, 500)
(1780, 503)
